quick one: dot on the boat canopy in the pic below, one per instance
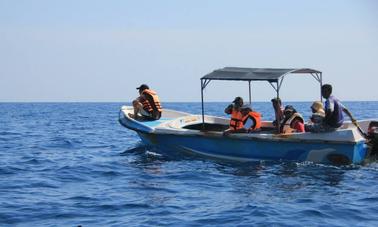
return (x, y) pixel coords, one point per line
(254, 74)
(274, 76)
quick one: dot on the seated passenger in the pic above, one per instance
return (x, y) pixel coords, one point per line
(292, 121)
(236, 121)
(316, 120)
(251, 120)
(147, 106)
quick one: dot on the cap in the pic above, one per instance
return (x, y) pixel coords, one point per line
(238, 100)
(289, 109)
(142, 87)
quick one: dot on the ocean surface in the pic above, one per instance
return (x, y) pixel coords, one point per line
(71, 164)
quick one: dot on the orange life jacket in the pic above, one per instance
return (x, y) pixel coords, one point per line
(236, 121)
(151, 103)
(256, 117)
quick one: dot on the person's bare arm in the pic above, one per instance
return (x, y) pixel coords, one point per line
(347, 112)
(140, 99)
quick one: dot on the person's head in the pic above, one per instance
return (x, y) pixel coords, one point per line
(142, 87)
(317, 106)
(277, 104)
(276, 101)
(289, 111)
(238, 102)
(326, 90)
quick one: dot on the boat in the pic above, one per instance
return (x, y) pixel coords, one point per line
(203, 134)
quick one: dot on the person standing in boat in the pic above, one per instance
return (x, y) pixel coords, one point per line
(236, 121)
(333, 110)
(292, 121)
(147, 106)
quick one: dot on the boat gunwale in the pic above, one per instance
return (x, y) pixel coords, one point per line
(158, 130)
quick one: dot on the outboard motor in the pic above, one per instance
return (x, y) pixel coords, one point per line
(373, 137)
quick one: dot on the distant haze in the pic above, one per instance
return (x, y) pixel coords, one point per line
(92, 50)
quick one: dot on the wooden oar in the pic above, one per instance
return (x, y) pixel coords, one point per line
(355, 123)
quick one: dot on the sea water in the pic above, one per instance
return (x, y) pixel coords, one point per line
(71, 164)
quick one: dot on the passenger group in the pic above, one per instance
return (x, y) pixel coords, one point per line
(323, 119)
(246, 120)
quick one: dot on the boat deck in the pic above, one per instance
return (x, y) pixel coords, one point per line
(154, 124)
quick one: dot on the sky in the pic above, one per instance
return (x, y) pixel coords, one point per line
(100, 51)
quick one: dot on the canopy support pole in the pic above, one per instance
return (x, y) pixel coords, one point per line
(278, 120)
(279, 84)
(277, 87)
(204, 83)
(321, 85)
(319, 78)
(273, 86)
(250, 99)
(278, 94)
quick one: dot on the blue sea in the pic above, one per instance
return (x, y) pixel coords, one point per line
(71, 164)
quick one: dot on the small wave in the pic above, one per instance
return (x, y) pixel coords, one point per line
(111, 173)
(137, 149)
(117, 207)
(304, 200)
(369, 199)
(98, 146)
(9, 218)
(42, 185)
(62, 143)
(8, 171)
(73, 168)
(7, 133)
(14, 169)
(313, 213)
(154, 154)
(32, 161)
(81, 198)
